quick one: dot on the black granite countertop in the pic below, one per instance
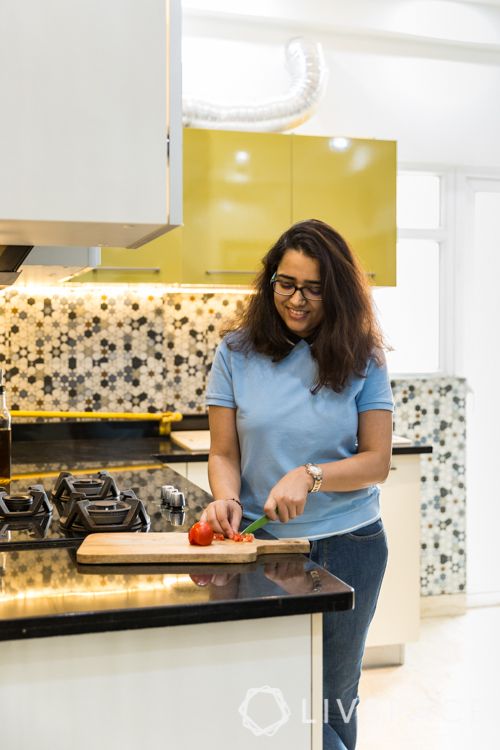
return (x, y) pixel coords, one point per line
(121, 443)
(45, 592)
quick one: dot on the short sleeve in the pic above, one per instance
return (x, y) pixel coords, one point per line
(220, 381)
(376, 392)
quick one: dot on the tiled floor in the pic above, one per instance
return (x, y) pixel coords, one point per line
(445, 695)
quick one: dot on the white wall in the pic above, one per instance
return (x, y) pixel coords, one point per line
(430, 80)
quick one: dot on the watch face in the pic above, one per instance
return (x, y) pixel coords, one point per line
(314, 471)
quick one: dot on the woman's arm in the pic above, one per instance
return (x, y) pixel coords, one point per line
(372, 462)
(369, 466)
(223, 471)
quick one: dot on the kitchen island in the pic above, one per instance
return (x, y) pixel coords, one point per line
(134, 656)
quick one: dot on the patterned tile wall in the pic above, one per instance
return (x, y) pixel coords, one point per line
(431, 411)
(142, 349)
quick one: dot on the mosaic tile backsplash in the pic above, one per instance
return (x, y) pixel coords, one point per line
(145, 350)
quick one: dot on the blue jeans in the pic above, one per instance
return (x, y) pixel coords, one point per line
(358, 558)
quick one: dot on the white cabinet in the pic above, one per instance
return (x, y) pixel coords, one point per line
(397, 618)
(174, 687)
(195, 471)
(90, 132)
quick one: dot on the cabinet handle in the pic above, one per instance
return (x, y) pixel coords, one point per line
(151, 269)
(394, 468)
(211, 272)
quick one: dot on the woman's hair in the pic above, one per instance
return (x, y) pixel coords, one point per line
(349, 332)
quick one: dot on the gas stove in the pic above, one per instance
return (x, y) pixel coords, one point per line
(94, 503)
(62, 511)
(30, 512)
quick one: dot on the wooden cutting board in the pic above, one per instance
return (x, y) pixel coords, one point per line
(166, 547)
(196, 441)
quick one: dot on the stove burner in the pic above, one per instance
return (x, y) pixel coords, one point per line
(108, 511)
(123, 513)
(100, 486)
(33, 503)
(36, 526)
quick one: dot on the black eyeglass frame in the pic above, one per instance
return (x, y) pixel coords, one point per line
(273, 281)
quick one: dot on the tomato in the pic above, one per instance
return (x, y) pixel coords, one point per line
(218, 537)
(201, 534)
(237, 537)
(201, 580)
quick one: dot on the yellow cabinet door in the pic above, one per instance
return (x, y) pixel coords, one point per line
(236, 202)
(158, 261)
(350, 184)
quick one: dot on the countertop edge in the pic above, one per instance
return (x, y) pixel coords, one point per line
(228, 611)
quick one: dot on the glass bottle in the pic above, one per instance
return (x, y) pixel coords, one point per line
(5, 435)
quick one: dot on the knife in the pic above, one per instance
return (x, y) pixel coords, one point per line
(258, 524)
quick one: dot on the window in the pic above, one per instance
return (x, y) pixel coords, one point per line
(410, 312)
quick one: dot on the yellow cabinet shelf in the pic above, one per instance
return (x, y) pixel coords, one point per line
(242, 190)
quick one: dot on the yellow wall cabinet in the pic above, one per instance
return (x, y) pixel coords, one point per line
(241, 190)
(351, 184)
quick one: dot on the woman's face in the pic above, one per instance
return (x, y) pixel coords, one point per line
(300, 315)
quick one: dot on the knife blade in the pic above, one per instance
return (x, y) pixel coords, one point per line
(258, 524)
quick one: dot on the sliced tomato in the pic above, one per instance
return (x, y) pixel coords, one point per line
(201, 534)
(218, 537)
(237, 537)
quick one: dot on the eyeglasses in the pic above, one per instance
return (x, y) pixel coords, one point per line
(286, 289)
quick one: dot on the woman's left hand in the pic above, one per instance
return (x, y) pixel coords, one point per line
(288, 497)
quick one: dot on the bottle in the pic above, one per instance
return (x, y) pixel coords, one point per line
(5, 436)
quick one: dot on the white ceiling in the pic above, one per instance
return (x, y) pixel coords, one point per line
(481, 2)
(443, 22)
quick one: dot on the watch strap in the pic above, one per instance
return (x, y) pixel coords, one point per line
(316, 474)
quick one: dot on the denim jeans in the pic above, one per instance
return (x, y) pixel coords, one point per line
(359, 558)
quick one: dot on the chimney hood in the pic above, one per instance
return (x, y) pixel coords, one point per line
(11, 258)
(29, 264)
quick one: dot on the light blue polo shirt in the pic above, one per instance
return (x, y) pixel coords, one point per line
(282, 425)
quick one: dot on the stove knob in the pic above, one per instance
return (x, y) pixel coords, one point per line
(165, 493)
(177, 518)
(177, 500)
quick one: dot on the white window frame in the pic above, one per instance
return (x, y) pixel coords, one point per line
(444, 236)
(467, 181)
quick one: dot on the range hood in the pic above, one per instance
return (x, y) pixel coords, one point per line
(28, 264)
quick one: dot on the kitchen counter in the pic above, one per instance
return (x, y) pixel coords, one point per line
(44, 591)
(172, 641)
(85, 443)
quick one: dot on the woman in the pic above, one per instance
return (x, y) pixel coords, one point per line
(300, 414)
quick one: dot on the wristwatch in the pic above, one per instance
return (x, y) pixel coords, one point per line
(317, 474)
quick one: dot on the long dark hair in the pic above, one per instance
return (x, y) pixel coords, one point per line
(349, 332)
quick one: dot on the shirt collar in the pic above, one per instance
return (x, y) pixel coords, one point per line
(293, 339)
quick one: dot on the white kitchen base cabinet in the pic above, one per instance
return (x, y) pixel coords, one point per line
(397, 619)
(246, 684)
(195, 471)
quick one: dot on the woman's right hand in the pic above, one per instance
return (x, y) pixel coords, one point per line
(224, 516)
